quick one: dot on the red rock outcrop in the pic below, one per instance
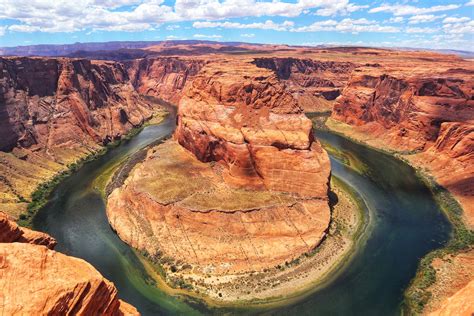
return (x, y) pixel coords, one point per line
(35, 280)
(163, 77)
(246, 119)
(11, 232)
(55, 111)
(430, 116)
(313, 83)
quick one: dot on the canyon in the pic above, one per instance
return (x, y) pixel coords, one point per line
(257, 172)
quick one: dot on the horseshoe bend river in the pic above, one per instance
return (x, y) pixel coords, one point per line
(404, 224)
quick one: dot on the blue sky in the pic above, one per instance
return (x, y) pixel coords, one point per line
(423, 23)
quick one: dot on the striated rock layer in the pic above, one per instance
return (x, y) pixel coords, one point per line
(54, 111)
(314, 84)
(247, 188)
(429, 116)
(244, 117)
(165, 77)
(36, 280)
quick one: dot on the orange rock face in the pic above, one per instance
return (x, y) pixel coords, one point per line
(428, 114)
(36, 280)
(460, 304)
(244, 117)
(163, 77)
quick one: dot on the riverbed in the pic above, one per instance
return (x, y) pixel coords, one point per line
(404, 224)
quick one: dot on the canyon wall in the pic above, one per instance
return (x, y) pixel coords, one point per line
(55, 111)
(429, 117)
(164, 77)
(36, 280)
(314, 84)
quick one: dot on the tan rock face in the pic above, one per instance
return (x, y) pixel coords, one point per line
(35, 280)
(165, 77)
(246, 119)
(55, 111)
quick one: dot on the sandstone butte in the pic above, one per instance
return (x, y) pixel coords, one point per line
(36, 280)
(243, 186)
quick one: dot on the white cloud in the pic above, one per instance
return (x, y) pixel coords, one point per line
(214, 36)
(172, 27)
(172, 37)
(424, 30)
(424, 18)
(2, 30)
(267, 25)
(400, 9)
(247, 35)
(456, 20)
(397, 19)
(347, 25)
(108, 15)
(470, 3)
(459, 28)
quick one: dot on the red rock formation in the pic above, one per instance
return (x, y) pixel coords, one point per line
(313, 83)
(163, 77)
(431, 114)
(55, 111)
(245, 118)
(11, 232)
(36, 280)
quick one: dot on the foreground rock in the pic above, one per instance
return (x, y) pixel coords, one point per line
(54, 112)
(36, 280)
(243, 187)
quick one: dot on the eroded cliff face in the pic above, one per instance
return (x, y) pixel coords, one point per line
(164, 77)
(246, 119)
(314, 84)
(35, 280)
(243, 186)
(430, 117)
(55, 111)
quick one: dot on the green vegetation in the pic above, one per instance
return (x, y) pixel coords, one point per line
(40, 196)
(417, 295)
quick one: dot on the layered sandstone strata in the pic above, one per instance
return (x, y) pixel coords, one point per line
(35, 280)
(314, 84)
(429, 117)
(55, 111)
(242, 188)
(163, 77)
